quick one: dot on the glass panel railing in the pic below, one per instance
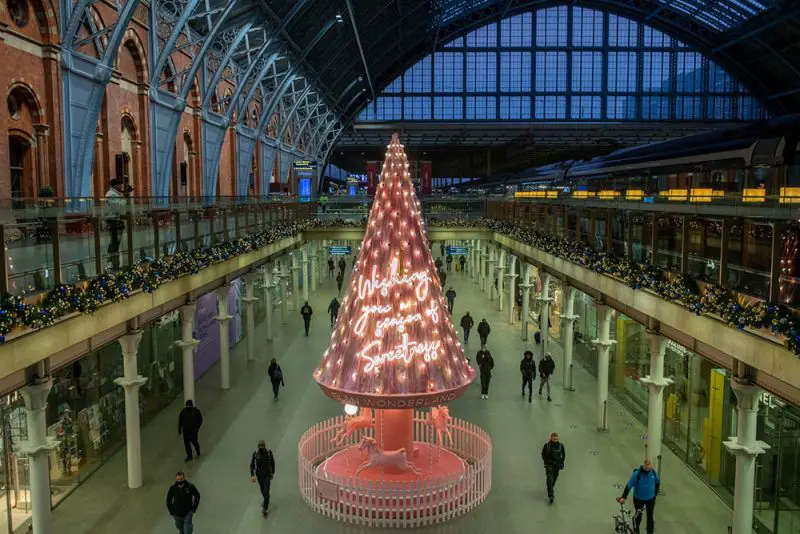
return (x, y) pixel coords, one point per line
(31, 260)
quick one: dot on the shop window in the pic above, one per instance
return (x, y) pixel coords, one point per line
(19, 12)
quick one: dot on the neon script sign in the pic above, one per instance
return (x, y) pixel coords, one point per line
(405, 351)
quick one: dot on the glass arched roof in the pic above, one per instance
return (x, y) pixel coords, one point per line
(566, 64)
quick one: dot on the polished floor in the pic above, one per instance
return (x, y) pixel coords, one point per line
(596, 464)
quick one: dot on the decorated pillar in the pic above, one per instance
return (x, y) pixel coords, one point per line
(222, 318)
(568, 319)
(131, 381)
(746, 448)
(512, 295)
(603, 344)
(37, 449)
(250, 300)
(295, 281)
(544, 311)
(306, 282)
(526, 298)
(501, 267)
(187, 344)
(655, 383)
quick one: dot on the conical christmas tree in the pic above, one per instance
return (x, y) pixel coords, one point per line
(394, 346)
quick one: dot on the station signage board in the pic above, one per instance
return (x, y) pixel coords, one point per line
(457, 251)
(340, 251)
(304, 164)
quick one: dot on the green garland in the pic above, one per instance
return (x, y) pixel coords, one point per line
(145, 275)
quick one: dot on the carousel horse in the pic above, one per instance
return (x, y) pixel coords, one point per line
(380, 459)
(351, 424)
(439, 419)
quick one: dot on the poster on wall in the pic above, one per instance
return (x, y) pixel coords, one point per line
(206, 329)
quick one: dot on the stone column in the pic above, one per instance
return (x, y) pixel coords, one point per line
(473, 262)
(655, 383)
(544, 311)
(222, 318)
(746, 448)
(282, 293)
(512, 276)
(131, 381)
(314, 266)
(306, 281)
(37, 449)
(268, 287)
(526, 297)
(482, 276)
(491, 272)
(187, 344)
(568, 319)
(501, 267)
(603, 343)
(250, 300)
(296, 281)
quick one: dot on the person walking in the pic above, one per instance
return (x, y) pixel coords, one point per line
(645, 484)
(306, 312)
(331, 266)
(466, 324)
(342, 265)
(485, 365)
(340, 280)
(275, 374)
(189, 422)
(333, 309)
(483, 331)
(449, 262)
(441, 248)
(182, 502)
(546, 368)
(438, 263)
(442, 277)
(553, 455)
(463, 262)
(451, 299)
(527, 366)
(262, 469)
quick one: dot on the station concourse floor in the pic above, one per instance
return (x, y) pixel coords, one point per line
(236, 419)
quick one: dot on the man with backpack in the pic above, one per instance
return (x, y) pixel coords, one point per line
(466, 324)
(306, 312)
(528, 369)
(553, 455)
(483, 331)
(451, 299)
(333, 309)
(546, 369)
(463, 262)
(189, 422)
(340, 280)
(342, 265)
(331, 265)
(449, 261)
(645, 485)
(262, 469)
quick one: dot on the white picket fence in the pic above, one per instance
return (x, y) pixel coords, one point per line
(395, 503)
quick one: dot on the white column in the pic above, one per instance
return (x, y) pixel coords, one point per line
(306, 282)
(187, 344)
(482, 277)
(512, 295)
(250, 300)
(490, 271)
(131, 381)
(37, 449)
(746, 448)
(655, 383)
(268, 288)
(603, 343)
(501, 267)
(282, 293)
(473, 263)
(526, 297)
(323, 261)
(544, 311)
(222, 318)
(314, 266)
(568, 327)
(296, 281)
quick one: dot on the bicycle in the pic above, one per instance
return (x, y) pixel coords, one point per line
(624, 525)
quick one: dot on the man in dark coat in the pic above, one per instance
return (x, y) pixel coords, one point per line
(553, 455)
(189, 422)
(528, 369)
(331, 265)
(485, 365)
(333, 309)
(182, 502)
(340, 280)
(262, 469)
(451, 299)
(306, 312)
(466, 324)
(546, 369)
(342, 264)
(483, 331)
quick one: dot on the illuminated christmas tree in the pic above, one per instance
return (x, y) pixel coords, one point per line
(394, 347)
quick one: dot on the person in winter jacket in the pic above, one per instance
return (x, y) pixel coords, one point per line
(331, 266)
(189, 422)
(340, 280)
(438, 263)
(182, 502)
(333, 309)
(466, 324)
(449, 262)
(483, 331)
(463, 262)
(645, 485)
(546, 368)
(306, 312)
(342, 265)
(275, 374)
(451, 299)
(485, 365)
(553, 455)
(441, 248)
(442, 277)
(262, 469)
(528, 369)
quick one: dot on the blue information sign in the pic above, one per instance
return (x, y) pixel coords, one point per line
(457, 251)
(340, 251)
